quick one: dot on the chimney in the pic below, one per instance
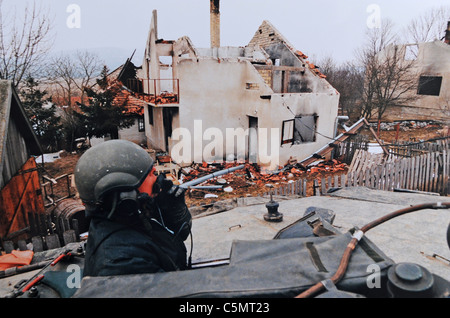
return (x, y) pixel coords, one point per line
(447, 33)
(215, 23)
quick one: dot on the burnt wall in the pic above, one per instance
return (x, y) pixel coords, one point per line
(287, 81)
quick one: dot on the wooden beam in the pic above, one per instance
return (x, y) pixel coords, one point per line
(330, 146)
(376, 137)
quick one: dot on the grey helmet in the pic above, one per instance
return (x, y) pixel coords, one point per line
(118, 165)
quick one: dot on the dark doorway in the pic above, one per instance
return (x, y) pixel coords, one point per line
(168, 114)
(253, 139)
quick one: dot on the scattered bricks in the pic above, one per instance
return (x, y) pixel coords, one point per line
(252, 179)
(301, 55)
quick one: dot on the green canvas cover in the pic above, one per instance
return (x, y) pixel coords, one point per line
(270, 268)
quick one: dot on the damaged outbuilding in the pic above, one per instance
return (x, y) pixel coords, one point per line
(428, 98)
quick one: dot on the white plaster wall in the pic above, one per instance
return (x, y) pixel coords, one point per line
(133, 134)
(433, 59)
(214, 92)
(326, 108)
(155, 132)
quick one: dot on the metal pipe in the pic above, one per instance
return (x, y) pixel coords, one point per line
(336, 122)
(22, 269)
(207, 187)
(210, 176)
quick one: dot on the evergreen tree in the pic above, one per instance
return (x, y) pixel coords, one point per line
(104, 115)
(42, 114)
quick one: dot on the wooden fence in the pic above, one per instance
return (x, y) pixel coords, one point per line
(409, 149)
(426, 173)
(346, 150)
(294, 188)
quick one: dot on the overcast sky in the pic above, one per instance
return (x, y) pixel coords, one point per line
(317, 28)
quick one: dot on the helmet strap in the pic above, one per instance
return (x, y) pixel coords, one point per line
(113, 206)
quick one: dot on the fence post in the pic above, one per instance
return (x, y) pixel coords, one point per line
(316, 188)
(444, 172)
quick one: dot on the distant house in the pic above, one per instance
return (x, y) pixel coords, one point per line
(431, 67)
(131, 104)
(266, 93)
(19, 180)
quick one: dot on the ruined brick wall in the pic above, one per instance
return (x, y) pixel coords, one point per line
(266, 35)
(267, 76)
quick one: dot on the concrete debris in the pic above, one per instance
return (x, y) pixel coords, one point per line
(228, 189)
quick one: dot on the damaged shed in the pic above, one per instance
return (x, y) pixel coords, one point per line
(19, 179)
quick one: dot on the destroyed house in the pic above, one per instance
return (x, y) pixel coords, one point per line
(263, 102)
(429, 99)
(131, 102)
(21, 194)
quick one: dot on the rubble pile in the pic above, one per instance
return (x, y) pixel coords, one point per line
(163, 98)
(252, 180)
(135, 102)
(404, 125)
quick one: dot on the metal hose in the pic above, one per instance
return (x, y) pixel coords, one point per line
(354, 241)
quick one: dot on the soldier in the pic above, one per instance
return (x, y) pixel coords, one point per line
(138, 222)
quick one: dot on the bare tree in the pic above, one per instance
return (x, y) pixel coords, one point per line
(63, 72)
(24, 42)
(388, 76)
(89, 67)
(429, 26)
(348, 79)
(72, 73)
